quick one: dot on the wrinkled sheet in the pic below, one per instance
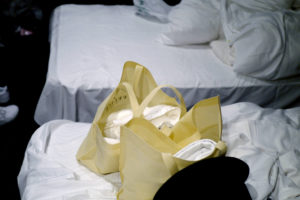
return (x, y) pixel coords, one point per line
(91, 43)
(268, 140)
(265, 36)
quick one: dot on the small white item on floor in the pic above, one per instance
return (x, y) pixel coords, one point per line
(8, 113)
(4, 94)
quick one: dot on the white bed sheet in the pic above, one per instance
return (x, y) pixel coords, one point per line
(91, 43)
(268, 140)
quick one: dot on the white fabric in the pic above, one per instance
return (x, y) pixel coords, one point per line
(268, 140)
(90, 44)
(155, 10)
(265, 36)
(263, 5)
(50, 169)
(157, 115)
(223, 51)
(192, 22)
(196, 150)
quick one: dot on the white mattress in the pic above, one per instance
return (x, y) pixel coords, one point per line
(268, 140)
(90, 44)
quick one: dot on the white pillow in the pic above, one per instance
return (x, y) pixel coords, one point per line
(154, 10)
(192, 22)
(266, 43)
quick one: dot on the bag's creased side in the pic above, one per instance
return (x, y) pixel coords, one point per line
(147, 154)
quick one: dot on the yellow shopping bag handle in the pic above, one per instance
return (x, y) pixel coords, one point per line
(138, 109)
(132, 98)
(152, 94)
(137, 74)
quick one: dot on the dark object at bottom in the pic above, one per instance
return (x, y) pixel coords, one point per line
(215, 178)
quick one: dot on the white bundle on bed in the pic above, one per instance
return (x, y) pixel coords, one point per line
(263, 36)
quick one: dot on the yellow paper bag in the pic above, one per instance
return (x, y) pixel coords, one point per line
(136, 90)
(147, 157)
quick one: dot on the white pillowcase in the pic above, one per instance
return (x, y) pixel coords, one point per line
(154, 10)
(192, 22)
(266, 43)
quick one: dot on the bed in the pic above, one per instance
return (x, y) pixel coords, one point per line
(91, 43)
(51, 171)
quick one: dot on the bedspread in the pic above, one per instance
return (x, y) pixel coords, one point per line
(91, 43)
(268, 140)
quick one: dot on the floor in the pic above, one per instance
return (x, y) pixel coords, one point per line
(25, 64)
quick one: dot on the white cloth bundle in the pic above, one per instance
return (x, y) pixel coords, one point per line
(158, 115)
(265, 36)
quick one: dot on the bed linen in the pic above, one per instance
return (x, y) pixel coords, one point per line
(265, 35)
(268, 140)
(90, 44)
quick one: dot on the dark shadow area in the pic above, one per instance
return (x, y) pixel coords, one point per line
(23, 64)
